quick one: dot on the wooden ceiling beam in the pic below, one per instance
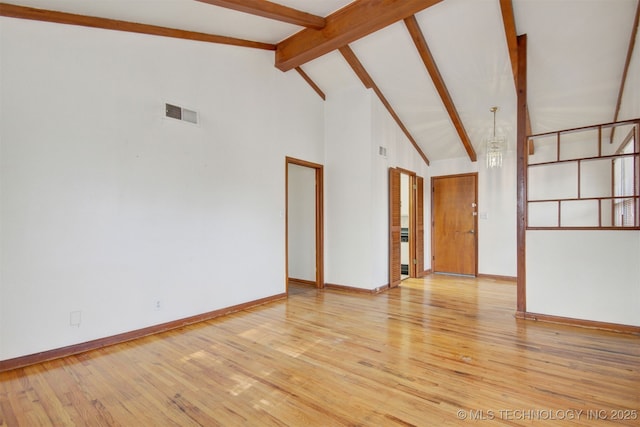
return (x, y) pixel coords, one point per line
(432, 68)
(356, 20)
(509, 22)
(625, 71)
(357, 67)
(22, 12)
(368, 82)
(311, 83)
(271, 10)
(511, 34)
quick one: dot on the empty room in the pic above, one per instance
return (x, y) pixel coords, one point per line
(319, 213)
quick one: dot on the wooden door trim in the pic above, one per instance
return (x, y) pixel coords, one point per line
(415, 271)
(412, 225)
(475, 220)
(417, 239)
(405, 171)
(319, 218)
(395, 275)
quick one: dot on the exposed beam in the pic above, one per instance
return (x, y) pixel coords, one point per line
(311, 83)
(358, 19)
(357, 67)
(511, 34)
(531, 146)
(438, 81)
(509, 22)
(521, 180)
(22, 12)
(368, 82)
(270, 10)
(632, 42)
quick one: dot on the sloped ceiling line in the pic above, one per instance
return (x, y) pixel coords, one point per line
(432, 68)
(22, 12)
(368, 82)
(632, 42)
(311, 83)
(357, 66)
(511, 34)
(271, 10)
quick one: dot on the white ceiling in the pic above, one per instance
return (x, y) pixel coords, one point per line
(576, 56)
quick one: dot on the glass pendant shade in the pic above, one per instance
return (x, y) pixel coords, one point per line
(495, 145)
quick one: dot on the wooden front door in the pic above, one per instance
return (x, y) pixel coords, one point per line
(454, 222)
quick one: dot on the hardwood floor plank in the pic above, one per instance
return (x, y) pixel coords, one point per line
(412, 356)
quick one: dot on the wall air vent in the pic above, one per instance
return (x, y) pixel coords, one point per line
(180, 113)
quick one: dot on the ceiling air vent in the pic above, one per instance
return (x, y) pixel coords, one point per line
(180, 113)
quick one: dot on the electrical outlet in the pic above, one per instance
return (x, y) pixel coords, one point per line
(157, 305)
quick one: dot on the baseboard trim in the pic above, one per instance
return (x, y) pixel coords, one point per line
(32, 359)
(426, 273)
(351, 289)
(592, 324)
(302, 281)
(496, 277)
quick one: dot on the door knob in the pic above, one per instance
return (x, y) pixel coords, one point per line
(472, 231)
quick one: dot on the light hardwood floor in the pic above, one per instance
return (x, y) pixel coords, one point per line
(437, 351)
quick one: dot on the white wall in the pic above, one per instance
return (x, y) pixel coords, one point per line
(348, 200)
(496, 211)
(630, 106)
(592, 275)
(356, 196)
(106, 207)
(302, 224)
(589, 274)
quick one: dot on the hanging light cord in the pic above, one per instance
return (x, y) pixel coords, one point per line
(493, 110)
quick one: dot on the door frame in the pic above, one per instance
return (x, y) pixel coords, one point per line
(416, 270)
(433, 208)
(319, 218)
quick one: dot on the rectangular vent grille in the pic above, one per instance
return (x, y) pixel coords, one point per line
(180, 113)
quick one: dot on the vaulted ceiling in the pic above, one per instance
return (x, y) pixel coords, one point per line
(437, 65)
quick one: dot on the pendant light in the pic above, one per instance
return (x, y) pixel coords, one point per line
(495, 145)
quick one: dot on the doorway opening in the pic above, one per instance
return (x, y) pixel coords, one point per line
(406, 226)
(454, 224)
(406, 230)
(304, 231)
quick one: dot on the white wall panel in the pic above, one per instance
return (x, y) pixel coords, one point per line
(108, 208)
(592, 275)
(348, 188)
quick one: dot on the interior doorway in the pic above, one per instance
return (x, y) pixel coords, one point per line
(455, 224)
(304, 223)
(406, 225)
